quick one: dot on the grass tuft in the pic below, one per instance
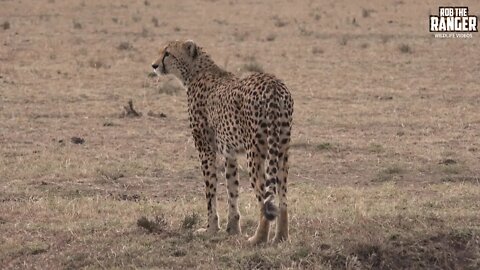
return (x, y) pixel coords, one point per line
(155, 22)
(390, 173)
(97, 64)
(110, 173)
(279, 22)
(252, 66)
(156, 225)
(325, 146)
(405, 48)
(189, 221)
(169, 87)
(271, 37)
(77, 25)
(317, 50)
(366, 12)
(123, 46)
(240, 36)
(376, 148)
(255, 260)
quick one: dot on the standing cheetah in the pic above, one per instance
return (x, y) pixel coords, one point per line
(229, 115)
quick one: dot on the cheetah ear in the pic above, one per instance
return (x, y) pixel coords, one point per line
(191, 48)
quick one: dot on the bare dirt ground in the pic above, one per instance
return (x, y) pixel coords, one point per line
(385, 154)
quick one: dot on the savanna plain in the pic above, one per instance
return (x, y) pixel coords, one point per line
(385, 153)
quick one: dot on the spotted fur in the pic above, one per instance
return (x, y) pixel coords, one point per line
(229, 115)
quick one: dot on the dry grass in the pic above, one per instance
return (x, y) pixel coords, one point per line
(252, 65)
(271, 37)
(125, 46)
(343, 40)
(317, 50)
(384, 158)
(392, 172)
(378, 227)
(279, 22)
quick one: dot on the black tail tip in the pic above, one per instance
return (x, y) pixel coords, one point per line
(270, 210)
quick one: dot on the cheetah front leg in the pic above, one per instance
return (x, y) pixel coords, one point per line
(233, 225)
(209, 173)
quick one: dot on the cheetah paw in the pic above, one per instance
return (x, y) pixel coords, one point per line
(255, 240)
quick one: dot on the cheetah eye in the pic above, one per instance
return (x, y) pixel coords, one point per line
(166, 54)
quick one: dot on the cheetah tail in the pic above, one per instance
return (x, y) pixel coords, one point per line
(270, 209)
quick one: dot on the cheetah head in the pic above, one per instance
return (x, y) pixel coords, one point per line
(177, 58)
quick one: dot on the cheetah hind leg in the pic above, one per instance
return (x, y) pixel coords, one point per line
(268, 213)
(255, 161)
(261, 233)
(281, 233)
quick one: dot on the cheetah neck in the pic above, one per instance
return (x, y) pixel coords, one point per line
(202, 66)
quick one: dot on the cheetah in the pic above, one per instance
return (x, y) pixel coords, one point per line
(230, 115)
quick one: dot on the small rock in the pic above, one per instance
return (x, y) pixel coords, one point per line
(77, 25)
(158, 115)
(448, 161)
(384, 97)
(6, 25)
(77, 140)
